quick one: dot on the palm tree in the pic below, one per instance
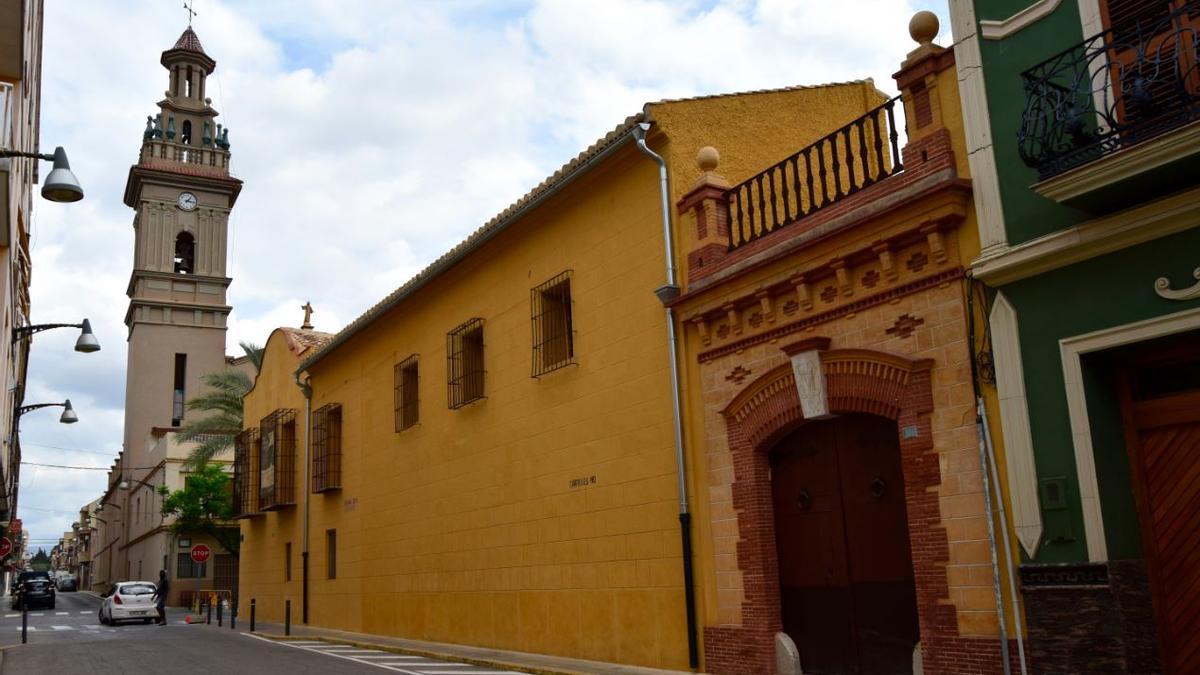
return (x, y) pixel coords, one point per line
(221, 408)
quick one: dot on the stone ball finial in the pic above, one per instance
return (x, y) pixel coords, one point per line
(207, 101)
(708, 158)
(924, 27)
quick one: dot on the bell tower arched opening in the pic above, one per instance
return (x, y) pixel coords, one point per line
(185, 253)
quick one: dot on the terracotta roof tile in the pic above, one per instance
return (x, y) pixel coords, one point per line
(301, 341)
(189, 41)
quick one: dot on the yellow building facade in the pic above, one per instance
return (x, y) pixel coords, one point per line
(487, 456)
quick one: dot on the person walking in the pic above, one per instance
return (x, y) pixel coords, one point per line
(160, 596)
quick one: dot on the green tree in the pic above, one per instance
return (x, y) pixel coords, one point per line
(220, 421)
(204, 506)
(40, 561)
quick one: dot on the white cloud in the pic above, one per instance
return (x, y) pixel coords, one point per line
(372, 136)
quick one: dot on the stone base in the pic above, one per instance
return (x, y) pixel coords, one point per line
(1090, 618)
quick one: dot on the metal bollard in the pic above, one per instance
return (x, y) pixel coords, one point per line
(24, 622)
(208, 619)
(252, 608)
(220, 606)
(233, 616)
(287, 618)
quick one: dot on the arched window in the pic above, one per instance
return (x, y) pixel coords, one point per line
(185, 253)
(186, 139)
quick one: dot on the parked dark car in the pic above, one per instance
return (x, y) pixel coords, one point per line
(34, 592)
(27, 574)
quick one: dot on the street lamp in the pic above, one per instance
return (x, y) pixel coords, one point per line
(61, 185)
(87, 342)
(124, 484)
(68, 415)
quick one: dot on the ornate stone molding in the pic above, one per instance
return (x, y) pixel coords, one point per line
(1163, 287)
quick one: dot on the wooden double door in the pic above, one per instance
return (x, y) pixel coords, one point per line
(1160, 391)
(841, 530)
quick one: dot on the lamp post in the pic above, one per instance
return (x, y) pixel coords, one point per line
(87, 342)
(68, 414)
(61, 185)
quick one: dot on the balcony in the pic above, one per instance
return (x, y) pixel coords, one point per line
(1114, 117)
(860, 154)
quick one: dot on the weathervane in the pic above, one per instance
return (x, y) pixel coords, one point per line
(188, 4)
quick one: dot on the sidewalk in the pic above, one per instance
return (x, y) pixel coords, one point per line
(535, 664)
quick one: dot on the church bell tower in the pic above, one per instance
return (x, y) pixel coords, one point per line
(182, 194)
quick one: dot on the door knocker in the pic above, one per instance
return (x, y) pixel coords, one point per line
(878, 487)
(804, 500)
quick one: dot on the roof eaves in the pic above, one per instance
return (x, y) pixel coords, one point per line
(596, 153)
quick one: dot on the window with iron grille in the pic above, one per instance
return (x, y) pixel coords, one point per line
(277, 460)
(464, 363)
(186, 568)
(407, 403)
(327, 448)
(553, 334)
(244, 483)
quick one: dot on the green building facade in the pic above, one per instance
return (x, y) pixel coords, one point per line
(1082, 121)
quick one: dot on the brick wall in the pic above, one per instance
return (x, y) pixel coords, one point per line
(1090, 618)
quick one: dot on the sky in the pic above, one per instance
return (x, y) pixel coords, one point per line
(372, 136)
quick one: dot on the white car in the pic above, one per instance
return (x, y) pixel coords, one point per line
(129, 601)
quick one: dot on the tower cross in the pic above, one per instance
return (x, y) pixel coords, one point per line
(308, 310)
(187, 5)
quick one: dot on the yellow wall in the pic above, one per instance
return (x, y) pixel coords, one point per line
(466, 528)
(261, 574)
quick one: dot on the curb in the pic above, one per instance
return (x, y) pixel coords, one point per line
(458, 658)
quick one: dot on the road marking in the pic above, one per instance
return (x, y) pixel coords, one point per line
(86, 611)
(336, 656)
(30, 628)
(11, 616)
(37, 614)
(63, 627)
(61, 613)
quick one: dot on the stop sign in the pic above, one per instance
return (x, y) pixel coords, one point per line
(5, 547)
(200, 553)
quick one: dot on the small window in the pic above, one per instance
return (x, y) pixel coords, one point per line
(186, 138)
(406, 401)
(185, 568)
(464, 367)
(178, 395)
(327, 448)
(331, 553)
(553, 332)
(287, 561)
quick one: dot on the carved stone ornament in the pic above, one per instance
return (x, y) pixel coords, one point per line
(1163, 287)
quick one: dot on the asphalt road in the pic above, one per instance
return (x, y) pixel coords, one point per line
(69, 640)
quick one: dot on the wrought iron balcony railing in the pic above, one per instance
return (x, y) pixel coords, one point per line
(851, 158)
(1132, 82)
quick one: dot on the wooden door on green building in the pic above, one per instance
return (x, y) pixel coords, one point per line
(1161, 401)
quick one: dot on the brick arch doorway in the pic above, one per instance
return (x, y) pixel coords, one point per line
(846, 584)
(763, 415)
